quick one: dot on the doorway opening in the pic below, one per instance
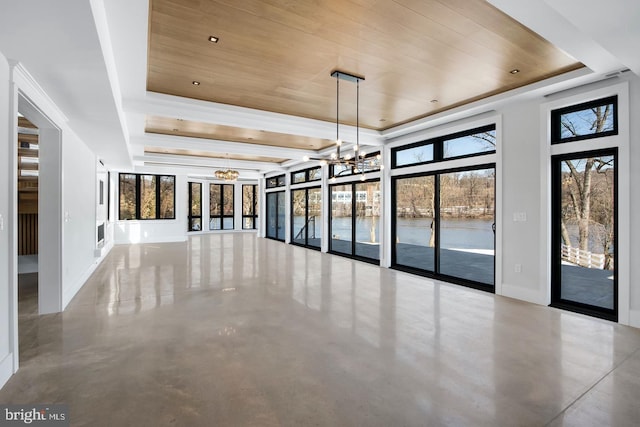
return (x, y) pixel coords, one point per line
(27, 233)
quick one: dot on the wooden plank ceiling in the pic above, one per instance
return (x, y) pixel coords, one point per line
(418, 57)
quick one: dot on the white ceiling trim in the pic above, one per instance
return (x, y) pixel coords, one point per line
(487, 105)
(157, 104)
(196, 171)
(558, 27)
(218, 146)
(207, 162)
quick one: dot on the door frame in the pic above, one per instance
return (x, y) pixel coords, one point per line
(556, 237)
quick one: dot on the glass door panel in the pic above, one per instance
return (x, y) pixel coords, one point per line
(414, 229)
(281, 216)
(466, 223)
(272, 215)
(299, 216)
(341, 218)
(314, 213)
(368, 220)
(584, 232)
(195, 206)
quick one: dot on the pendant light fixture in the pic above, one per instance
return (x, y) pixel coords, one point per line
(339, 161)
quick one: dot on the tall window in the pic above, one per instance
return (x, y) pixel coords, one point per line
(146, 196)
(195, 206)
(221, 207)
(249, 207)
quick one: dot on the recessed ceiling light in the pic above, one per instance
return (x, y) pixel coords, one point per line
(213, 39)
(175, 129)
(383, 120)
(195, 83)
(514, 71)
(434, 101)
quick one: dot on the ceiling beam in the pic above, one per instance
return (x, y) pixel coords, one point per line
(558, 26)
(194, 171)
(176, 159)
(217, 146)
(157, 104)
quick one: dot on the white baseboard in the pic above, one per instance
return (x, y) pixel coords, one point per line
(71, 291)
(518, 292)
(163, 239)
(6, 369)
(634, 318)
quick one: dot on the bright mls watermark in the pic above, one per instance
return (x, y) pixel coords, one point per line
(34, 415)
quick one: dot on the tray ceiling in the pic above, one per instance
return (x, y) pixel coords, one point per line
(418, 57)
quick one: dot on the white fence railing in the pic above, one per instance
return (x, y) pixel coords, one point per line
(582, 258)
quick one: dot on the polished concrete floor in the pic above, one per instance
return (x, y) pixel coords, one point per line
(230, 330)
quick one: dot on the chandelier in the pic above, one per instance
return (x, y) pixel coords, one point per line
(227, 175)
(347, 163)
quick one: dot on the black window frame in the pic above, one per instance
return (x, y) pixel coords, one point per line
(306, 217)
(556, 125)
(276, 181)
(191, 216)
(138, 216)
(277, 214)
(438, 147)
(436, 273)
(222, 216)
(556, 237)
(354, 218)
(254, 211)
(349, 171)
(307, 175)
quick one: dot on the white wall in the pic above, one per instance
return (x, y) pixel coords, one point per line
(6, 357)
(521, 165)
(634, 154)
(79, 206)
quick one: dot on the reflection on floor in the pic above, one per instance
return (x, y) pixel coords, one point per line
(28, 318)
(230, 330)
(27, 264)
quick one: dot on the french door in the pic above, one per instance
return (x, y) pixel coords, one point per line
(584, 264)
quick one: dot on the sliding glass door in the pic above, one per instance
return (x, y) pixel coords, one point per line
(444, 225)
(276, 215)
(306, 217)
(195, 206)
(355, 220)
(414, 222)
(465, 225)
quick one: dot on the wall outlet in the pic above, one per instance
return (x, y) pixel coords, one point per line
(519, 217)
(517, 268)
